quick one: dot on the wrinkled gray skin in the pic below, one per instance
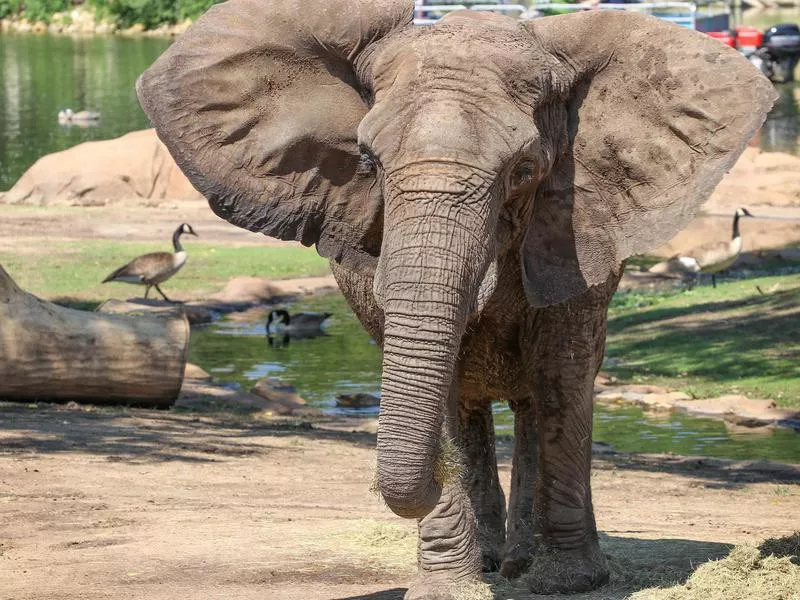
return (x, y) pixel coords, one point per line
(477, 185)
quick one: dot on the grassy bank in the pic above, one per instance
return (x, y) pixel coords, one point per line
(75, 269)
(707, 342)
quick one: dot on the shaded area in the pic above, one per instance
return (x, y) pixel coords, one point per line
(140, 436)
(788, 546)
(714, 341)
(393, 594)
(131, 435)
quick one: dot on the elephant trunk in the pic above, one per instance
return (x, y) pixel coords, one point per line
(427, 282)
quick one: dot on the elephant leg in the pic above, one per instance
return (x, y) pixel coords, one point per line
(566, 344)
(519, 540)
(449, 558)
(482, 482)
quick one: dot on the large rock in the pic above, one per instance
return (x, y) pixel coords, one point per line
(257, 290)
(134, 167)
(282, 399)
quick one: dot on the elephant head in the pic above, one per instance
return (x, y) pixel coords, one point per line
(426, 156)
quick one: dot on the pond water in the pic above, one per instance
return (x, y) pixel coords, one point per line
(41, 74)
(346, 360)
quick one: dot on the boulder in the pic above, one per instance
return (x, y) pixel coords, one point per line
(196, 314)
(135, 167)
(282, 399)
(205, 396)
(663, 401)
(257, 290)
(739, 409)
(192, 371)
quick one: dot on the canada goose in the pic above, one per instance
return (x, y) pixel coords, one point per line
(280, 321)
(156, 267)
(68, 116)
(297, 326)
(710, 258)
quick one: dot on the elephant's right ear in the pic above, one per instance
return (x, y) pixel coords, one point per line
(259, 104)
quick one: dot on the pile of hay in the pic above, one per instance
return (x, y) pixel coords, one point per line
(771, 572)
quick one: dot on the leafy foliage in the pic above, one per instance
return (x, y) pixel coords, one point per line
(42, 10)
(10, 8)
(150, 13)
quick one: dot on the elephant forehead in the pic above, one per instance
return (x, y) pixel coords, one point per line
(459, 53)
(441, 94)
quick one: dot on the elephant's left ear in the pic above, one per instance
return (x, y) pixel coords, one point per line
(656, 115)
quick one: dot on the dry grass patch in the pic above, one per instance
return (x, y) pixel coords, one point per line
(745, 574)
(381, 543)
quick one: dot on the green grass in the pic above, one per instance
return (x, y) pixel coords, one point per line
(75, 269)
(708, 342)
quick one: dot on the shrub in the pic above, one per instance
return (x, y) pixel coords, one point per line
(42, 10)
(191, 9)
(150, 13)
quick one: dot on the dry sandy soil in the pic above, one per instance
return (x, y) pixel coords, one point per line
(159, 505)
(777, 223)
(119, 222)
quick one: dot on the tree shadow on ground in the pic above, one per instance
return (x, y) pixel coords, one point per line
(721, 342)
(140, 435)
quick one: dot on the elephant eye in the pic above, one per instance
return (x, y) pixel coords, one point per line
(523, 173)
(367, 162)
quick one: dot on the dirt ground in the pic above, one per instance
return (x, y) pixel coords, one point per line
(158, 505)
(120, 222)
(774, 227)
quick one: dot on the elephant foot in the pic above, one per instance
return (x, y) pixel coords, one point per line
(555, 571)
(491, 543)
(491, 561)
(516, 561)
(439, 587)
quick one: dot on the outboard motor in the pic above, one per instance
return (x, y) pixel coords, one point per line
(779, 53)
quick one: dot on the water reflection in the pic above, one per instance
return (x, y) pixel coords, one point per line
(781, 130)
(345, 363)
(42, 74)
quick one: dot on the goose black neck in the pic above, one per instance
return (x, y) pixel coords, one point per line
(274, 314)
(735, 226)
(176, 239)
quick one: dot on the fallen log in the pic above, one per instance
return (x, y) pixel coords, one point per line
(48, 352)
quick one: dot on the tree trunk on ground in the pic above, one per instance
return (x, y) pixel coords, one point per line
(48, 352)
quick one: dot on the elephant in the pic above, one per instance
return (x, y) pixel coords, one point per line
(476, 185)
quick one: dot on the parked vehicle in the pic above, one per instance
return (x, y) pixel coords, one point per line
(778, 54)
